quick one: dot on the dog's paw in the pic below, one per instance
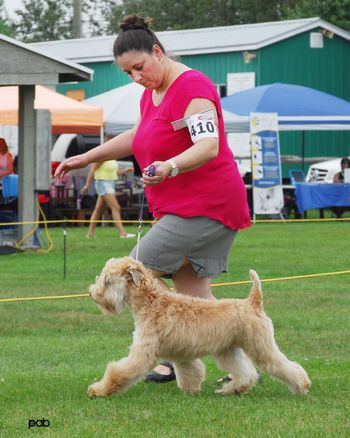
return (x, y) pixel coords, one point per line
(96, 390)
(302, 387)
(226, 391)
(231, 388)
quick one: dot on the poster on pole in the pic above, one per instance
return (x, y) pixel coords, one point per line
(266, 164)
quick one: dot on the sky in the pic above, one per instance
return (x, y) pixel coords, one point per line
(12, 5)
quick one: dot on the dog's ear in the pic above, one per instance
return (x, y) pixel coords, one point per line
(108, 272)
(136, 275)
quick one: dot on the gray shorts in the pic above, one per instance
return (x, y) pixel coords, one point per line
(205, 242)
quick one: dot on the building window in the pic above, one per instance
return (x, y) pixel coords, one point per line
(221, 89)
(316, 40)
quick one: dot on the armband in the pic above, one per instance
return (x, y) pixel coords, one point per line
(202, 126)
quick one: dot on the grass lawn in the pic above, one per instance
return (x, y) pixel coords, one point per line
(50, 351)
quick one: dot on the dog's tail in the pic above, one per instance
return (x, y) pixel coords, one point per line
(256, 296)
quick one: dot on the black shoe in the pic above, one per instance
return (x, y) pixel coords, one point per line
(227, 379)
(156, 377)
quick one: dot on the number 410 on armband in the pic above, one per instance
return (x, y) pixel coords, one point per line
(202, 128)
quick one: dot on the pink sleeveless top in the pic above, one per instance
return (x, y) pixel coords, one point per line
(216, 189)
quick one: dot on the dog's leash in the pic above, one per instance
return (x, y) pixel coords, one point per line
(151, 171)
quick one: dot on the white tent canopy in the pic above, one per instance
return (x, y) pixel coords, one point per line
(121, 108)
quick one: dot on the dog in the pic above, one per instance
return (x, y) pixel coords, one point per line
(269, 200)
(182, 329)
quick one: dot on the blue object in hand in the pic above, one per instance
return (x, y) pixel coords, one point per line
(151, 171)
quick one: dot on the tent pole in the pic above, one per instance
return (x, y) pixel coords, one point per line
(26, 163)
(101, 135)
(302, 149)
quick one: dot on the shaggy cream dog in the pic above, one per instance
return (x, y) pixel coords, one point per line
(182, 329)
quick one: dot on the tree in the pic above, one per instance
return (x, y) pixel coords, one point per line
(255, 11)
(187, 14)
(5, 27)
(172, 14)
(94, 14)
(44, 20)
(336, 12)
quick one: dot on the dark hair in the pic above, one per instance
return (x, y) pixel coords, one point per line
(345, 161)
(135, 35)
(3, 143)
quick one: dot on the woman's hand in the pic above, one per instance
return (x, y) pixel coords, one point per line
(76, 162)
(84, 190)
(162, 171)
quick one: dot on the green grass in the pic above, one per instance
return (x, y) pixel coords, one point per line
(50, 351)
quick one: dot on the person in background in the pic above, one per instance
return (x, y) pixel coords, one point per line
(6, 159)
(344, 164)
(339, 178)
(192, 183)
(105, 175)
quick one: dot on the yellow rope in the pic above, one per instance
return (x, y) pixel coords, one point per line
(295, 277)
(87, 221)
(53, 297)
(73, 221)
(330, 219)
(233, 283)
(33, 230)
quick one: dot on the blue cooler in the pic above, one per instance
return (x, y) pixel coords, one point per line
(10, 187)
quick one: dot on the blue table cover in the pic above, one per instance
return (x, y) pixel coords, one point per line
(309, 196)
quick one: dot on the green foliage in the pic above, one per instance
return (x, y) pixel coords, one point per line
(5, 28)
(47, 20)
(44, 20)
(94, 14)
(187, 14)
(336, 12)
(52, 350)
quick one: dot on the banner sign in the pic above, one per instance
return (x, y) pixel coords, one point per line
(237, 82)
(266, 164)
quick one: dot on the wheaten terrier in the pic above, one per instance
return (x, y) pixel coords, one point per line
(181, 329)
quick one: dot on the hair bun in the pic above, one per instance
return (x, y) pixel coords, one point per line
(132, 22)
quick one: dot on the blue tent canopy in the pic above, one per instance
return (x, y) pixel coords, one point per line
(298, 108)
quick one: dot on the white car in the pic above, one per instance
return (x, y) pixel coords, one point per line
(68, 145)
(324, 171)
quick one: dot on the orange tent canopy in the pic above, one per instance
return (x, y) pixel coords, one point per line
(67, 115)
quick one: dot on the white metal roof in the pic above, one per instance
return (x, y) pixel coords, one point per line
(195, 41)
(52, 55)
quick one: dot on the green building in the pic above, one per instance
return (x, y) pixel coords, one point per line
(308, 52)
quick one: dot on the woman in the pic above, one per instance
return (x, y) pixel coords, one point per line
(105, 174)
(196, 193)
(6, 159)
(339, 179)
(344, 164)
